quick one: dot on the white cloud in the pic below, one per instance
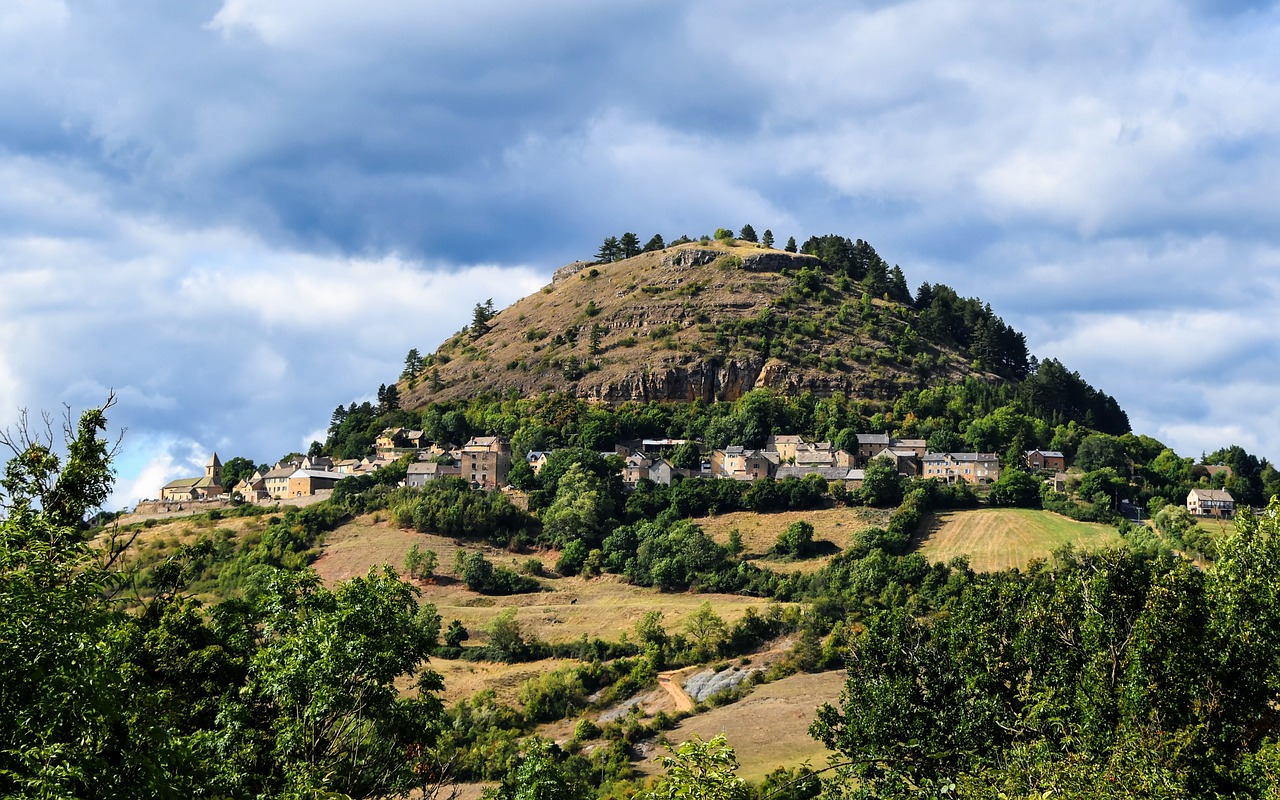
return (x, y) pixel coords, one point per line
(240, 217)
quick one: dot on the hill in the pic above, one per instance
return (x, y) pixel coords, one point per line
(712, 320)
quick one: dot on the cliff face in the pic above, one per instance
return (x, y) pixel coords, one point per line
(695, 322)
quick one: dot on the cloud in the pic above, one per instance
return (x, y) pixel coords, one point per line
(241, 213)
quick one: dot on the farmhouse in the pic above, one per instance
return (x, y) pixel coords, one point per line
(1211, 503)
(1046, 460)
(980, 468)
(306, 482)
(423, 472)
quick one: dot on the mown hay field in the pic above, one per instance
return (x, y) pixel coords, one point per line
(999, 538)
(836, 526)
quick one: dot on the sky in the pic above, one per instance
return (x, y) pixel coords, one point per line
(239, 214)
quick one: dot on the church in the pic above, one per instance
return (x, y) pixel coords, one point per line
(208, 487)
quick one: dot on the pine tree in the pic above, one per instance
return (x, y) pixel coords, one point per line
(413, 364)
(656, 243)
(791, 245)
(748, 234)
(767, 240)
(480, 318)
(610, 251)
(629, 245)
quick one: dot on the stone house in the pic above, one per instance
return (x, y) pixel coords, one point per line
(741, 464)
(976, 468)
(306, 482)
(1045, 460)
(423, 472)
(486, 460)
(905, 461)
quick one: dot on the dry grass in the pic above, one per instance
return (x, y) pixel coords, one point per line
(760, 532)
(463, 679)
(996, 539)
(768, 729)
(605, 607)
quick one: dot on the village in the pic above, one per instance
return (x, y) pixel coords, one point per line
(485, 462)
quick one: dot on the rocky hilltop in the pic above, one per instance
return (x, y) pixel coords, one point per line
(698, 321)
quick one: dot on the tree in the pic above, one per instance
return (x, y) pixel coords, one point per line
(767, 239)
(456, 634)
(420, 563)
(581, 506)
(698, 770)
(388, 399)
(505, 638)
(747, 234)
(944, 440)
(236, 469)
(881, 484)
(1102, 487)
(610, 251)
(68, 704)
(629, 245)
(1174, 522)
(413, 364)
(480, 316)
(1015, 487)
(791, 244)
(796, 540)
(707, 630)
(326, 674)
(686, 455)
(656, 243)
(1102, 674)
(1099, 450)
(539, 777)
(723, 235)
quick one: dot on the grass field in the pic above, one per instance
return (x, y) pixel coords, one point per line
(769, 728)
(760, 531)
(604, 607)
(995, 539)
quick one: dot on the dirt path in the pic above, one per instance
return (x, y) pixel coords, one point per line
(668, 682)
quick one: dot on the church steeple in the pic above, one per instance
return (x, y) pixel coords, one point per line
(213, 470)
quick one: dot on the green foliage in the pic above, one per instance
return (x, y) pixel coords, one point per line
(1015, 488)
(1097, 451)
(796, 541)
(881, 483)
(505, 639)
(480, 575)
(480, 316)
(581, 507)
(1096, 675)
(552, 695)
(698, 770)
(538, 777)
(294, 696)
(456, 634)
(707, 630)
(420, 563)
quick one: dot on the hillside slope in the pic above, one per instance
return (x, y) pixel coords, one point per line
(699, 321)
